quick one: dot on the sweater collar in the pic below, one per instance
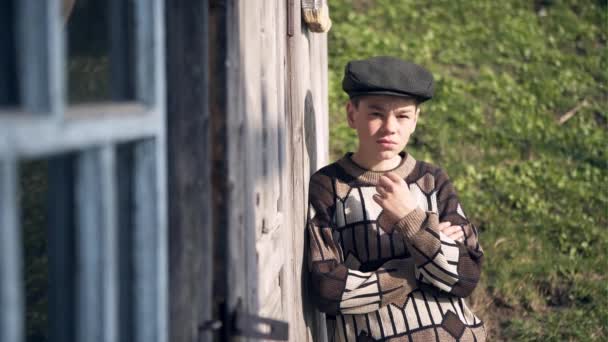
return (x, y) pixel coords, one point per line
(372, 177)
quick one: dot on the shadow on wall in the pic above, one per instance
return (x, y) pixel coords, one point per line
(315, 321)
(310, 132)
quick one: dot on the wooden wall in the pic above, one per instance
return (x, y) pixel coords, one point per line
(189, 171)
(276, 134)
(266, 125)
(307, 139)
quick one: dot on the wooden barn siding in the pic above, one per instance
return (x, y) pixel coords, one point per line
(189, 154)
(307, 137)
(269, 111)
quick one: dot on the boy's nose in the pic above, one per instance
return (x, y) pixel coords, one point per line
(390, 124)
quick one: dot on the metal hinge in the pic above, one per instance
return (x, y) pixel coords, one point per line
(248, 325)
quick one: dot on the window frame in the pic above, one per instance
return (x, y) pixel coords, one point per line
(43, 126)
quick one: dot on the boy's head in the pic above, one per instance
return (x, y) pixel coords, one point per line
(385, 93)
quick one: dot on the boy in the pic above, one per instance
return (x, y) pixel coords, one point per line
(391, 252)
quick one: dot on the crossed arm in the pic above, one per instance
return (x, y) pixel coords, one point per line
(447, 255)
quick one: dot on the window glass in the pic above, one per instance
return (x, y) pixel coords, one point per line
(9, 87)
(100, 50)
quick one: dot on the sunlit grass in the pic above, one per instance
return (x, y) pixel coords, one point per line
(506, 72)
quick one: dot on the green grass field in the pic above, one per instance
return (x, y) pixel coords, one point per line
(506, 73)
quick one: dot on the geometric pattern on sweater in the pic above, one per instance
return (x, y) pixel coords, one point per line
(405, 279)
(391, 321)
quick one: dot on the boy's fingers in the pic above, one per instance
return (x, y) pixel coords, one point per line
(378, 199)
(386, 183)
(451, 230)
(457, 236)
(454, 233)
(380, 190)
(393, 177)
(445, 222)
(444, 225)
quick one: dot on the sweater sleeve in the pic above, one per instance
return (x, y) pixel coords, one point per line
(337, 288)
(449, 265)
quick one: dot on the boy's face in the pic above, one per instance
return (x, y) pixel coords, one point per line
(384, 125)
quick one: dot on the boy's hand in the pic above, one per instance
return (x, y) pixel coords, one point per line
(394, 197)
(453, 232)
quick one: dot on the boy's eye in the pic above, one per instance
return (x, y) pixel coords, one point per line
(376, 114)
(403, 116)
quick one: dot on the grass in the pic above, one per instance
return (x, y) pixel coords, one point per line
(506, 72)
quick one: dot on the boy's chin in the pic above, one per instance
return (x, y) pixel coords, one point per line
(387, 154)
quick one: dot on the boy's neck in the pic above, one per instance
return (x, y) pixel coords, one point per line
(376, 165)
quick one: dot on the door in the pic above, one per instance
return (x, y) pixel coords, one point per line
(268, 77)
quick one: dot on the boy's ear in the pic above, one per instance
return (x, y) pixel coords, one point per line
(350, 114)
(416, 118)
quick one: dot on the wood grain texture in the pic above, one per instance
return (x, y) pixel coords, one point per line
(307, 119)
(267, 104)
(302, 324)
(189, 170)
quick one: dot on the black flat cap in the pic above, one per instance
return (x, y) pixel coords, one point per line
(387, 76)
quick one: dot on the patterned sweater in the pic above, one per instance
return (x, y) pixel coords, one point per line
(381, 282)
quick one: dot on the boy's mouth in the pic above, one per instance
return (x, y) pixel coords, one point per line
(386, 144)
(385, 141)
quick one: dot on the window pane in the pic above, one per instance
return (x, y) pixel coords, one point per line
(100, 51)
(34, 190)
(47, 205)
(9, 88)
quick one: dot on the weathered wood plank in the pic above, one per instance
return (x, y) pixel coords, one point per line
(271, 258)
(190, 224)
(270, 107)
(262, 83)
(232, 172)
(303, 68)
(218, 25)
(239, 188)
(250, 39)
(294, 121)
(288, 288)
(272, 307)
